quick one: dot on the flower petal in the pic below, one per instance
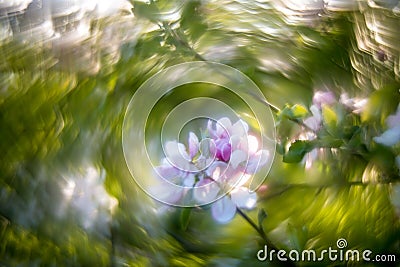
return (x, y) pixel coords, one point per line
(167, 171)
(207, 148)
(243, 198)
(189, 180)
(226, 152)
(356, 105)
(239, 128)
(323, 98)
(223, 210)
(212, 132)
(223, 125)
(235, 141)
(166, 192)
(217, 170)
(182, 152)
(313, 123)
(316, 112)
(252, 143)
(394, 120)
(193, 145)
(173, 149)
(389, 137)
(238, 179)
(256, 161)
(237, 157)
(177, 156)
(206, 191)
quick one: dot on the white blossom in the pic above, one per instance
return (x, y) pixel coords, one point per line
(392, 135)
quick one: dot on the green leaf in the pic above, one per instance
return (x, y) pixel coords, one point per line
(297, 236)
(280, 148)
(299, 111)
(185, 218)
(294, 112)
(325, 139)
(329, 117)
(147, 11)
(381, 103)
(297, 151)
(192, 20)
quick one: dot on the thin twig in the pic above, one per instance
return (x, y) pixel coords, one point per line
(259, 230)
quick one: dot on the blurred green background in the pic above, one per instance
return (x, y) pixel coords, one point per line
(68, 70)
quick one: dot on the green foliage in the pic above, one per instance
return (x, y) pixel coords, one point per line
(330, 118)
(185, 217)
(381, 104)
(293, 112)
(262, 215)
(55, 122)
(297, 151)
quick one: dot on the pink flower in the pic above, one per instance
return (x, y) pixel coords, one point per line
(315, 121)
(356, 105)
(225, 129)
(323, 98)
(226, 160)
(234, 144)
(222, 134)
(224, 149)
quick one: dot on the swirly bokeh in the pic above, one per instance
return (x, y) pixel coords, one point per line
(149, 137)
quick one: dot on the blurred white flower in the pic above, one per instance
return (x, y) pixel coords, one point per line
(392, 135)
(88, 199)
(323, 98)
(394, 120)
(223, 210)
(356, 105)
(320, 99)
(314, 122)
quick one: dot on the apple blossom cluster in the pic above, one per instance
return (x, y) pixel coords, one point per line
(215, 169)
(315, 121)
(328, 98)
